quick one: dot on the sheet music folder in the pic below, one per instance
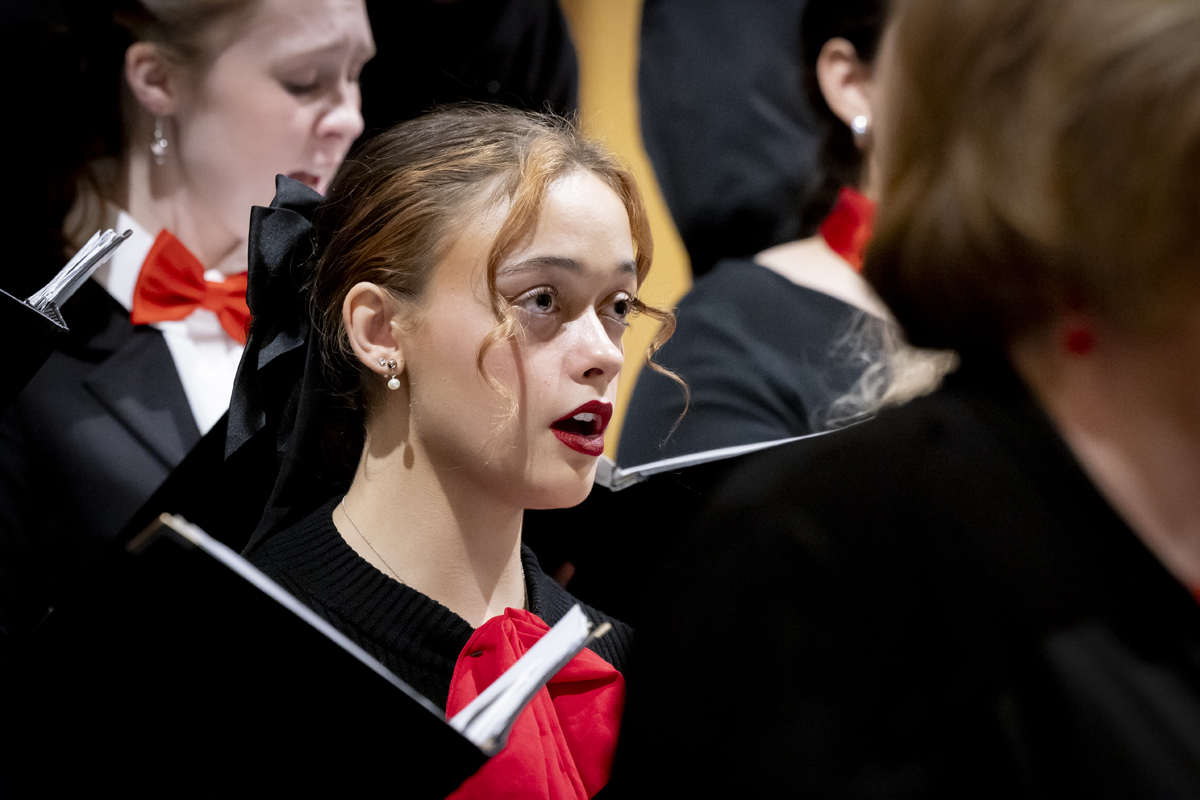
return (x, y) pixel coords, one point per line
(185, 675)
(31, 335)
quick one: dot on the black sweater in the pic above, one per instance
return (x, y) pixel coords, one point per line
(411, 634)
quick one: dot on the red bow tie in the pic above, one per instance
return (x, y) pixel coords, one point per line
(171, 286)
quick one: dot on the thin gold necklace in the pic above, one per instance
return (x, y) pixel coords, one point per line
(357, 530)
(391, 569)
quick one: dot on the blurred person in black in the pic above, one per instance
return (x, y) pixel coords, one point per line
(793, 340)
(990, 590)
(726, 123)
(513, 52)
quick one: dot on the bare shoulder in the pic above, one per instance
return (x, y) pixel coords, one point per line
(810, 263)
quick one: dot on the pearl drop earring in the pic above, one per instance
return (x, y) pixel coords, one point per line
(390, 363)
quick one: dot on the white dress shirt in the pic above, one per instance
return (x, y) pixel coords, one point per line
(206, 357)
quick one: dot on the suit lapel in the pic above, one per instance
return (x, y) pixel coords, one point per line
(139, 386)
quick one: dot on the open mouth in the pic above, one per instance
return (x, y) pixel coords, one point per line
(583, 429)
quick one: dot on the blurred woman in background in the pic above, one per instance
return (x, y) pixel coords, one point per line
(793, 340)
(989, 591)
(216, 97)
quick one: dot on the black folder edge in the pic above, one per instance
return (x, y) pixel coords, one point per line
(194, 535)
(34, 335)
(71, 748)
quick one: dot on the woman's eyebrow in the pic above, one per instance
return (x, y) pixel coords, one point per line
(334, 47)
(563, 262)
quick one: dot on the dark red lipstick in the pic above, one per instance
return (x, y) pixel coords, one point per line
(583, 429)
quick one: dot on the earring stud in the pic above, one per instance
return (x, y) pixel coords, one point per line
(859, 125)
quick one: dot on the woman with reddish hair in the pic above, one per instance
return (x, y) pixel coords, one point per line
(461, 293)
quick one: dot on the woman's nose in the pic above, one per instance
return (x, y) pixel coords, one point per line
(599, 357)
(344, 119)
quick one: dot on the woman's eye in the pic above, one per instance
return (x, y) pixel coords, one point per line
(301, 88)
(542, 300)
(304, 81)
(621, 308)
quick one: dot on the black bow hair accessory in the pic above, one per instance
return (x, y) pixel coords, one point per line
(281, 399)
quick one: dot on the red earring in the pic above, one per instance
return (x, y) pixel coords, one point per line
(1079, 339)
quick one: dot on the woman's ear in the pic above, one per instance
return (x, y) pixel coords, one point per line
(845, 84)
(151, 77)
(369, 314)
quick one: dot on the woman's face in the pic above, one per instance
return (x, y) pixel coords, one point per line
(280, 98)
(571, 288)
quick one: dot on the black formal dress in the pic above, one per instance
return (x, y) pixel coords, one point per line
(935, 603)
(411, 634)
(764, 359)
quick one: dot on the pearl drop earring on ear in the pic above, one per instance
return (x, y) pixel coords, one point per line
(393, 382)
(158, 146)
(859, 125)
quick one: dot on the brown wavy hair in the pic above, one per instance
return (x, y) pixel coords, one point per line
(1039, 155)
(396, 205)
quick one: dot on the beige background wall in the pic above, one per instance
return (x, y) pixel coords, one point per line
(606, 40)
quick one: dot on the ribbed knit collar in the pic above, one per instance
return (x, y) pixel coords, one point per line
(399, 618)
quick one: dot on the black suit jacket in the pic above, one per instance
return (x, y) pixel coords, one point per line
(89, 440)
(937, 603)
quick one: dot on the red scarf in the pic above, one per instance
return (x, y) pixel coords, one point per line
(562, 744)
(171, 285)
(847, 229)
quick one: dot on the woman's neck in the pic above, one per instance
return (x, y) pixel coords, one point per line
(433, 530)
(157, 197)
(1130, 412)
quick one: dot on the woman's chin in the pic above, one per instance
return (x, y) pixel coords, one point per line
(564, 491)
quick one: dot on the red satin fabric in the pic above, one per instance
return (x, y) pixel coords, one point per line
(562, 745)
(171, 286)
(847, 229)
